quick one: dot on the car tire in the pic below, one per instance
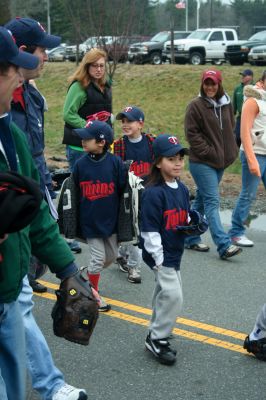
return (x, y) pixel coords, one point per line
(196, 58)
(156, 58)
(217, 62)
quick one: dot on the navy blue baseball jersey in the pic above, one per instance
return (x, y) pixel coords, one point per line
(162, 209)
(141, 155)
(100, 183)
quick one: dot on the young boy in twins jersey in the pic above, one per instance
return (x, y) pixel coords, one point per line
(136, 146)
(101, 177)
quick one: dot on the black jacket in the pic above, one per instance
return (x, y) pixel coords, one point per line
(96, 101)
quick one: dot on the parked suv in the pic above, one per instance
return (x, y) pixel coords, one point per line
(151, 51)
(237, 54)
(118, 49)
(94, 41)
(257, 55)
(202, 45)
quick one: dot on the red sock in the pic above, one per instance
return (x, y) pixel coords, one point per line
(94, 280)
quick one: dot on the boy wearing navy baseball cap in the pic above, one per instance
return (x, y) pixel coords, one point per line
(100, 177)
(134, 145)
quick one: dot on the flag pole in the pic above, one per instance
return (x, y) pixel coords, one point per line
(186, 15)
(198, 7)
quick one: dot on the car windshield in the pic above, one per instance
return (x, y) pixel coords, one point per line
(160, 37)
(198, 35)
(260, 36)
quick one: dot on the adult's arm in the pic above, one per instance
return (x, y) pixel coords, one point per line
(75, 98)
(249, 112)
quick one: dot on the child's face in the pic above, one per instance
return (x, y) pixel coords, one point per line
(132, 128)
(171, 167)
(91, 146)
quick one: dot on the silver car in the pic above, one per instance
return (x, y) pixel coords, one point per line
(257, 55)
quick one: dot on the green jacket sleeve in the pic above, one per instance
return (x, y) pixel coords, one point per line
(76, 97)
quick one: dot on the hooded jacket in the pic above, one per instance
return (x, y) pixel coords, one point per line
(209, 129)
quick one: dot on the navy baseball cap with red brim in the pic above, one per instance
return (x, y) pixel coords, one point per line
(9, 52)
(29, 32)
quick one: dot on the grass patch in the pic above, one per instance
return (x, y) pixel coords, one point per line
(163, 92)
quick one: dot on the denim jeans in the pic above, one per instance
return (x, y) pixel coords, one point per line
(207, 201)
(45, 377)
(247, 195)
(72, 156)
(12, 353)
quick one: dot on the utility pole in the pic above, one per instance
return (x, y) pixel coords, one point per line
(48, 18)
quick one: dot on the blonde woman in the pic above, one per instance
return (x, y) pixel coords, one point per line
(89, 96)
(89, 93)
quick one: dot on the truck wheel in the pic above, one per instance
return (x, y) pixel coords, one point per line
(156, 58)
(217, 62)
(196, 59)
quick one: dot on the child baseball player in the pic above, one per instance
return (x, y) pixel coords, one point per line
(100, 177)
(165, 213)
(136, 146)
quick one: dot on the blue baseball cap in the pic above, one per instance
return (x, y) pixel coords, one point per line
(246, 72)
(96, 130)
(131, 113)
(9, 52)
(29, 32)
(167, 146)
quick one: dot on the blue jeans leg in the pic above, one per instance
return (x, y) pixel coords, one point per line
(45, 377)
(12, 353)
(247, 195)
(207, 201)
(72, 156)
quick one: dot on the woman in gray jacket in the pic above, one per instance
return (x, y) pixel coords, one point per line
(209, 128)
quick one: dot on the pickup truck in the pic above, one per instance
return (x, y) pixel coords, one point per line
(151, 51)
(237, 54)
(202, 45)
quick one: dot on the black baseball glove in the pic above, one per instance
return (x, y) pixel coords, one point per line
(75, 312)
(197, 225)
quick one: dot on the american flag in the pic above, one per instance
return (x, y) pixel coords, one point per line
(181, 4)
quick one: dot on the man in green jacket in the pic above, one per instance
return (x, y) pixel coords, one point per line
(40, 238)
(238, 98)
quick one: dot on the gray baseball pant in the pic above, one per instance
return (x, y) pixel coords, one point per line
(167, 302)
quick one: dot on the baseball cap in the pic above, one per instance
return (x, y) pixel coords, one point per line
(131, 113)
(212, 74)
(167, 145)
(246, 72)
(9, 52)
(29, 32)
(96, 130)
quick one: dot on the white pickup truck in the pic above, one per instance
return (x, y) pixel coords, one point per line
(201, 46)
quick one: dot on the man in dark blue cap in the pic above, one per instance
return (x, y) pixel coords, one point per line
(27, 109)
(41, 237)
(246, 79)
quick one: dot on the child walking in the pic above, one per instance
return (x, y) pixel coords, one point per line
(165, 213)
(100, 177)
(134, 145)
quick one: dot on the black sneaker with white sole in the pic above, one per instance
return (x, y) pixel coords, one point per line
(122, 263)
(161, 349)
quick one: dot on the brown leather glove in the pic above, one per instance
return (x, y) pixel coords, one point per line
(75, 312)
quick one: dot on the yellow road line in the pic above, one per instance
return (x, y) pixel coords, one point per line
(179, 332)
(184, 321)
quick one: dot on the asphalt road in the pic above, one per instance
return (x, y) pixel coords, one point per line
(221, 301)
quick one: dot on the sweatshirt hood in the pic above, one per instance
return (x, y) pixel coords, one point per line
(217, 105)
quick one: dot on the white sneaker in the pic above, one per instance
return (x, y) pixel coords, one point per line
(68, 392)
(242, 241)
